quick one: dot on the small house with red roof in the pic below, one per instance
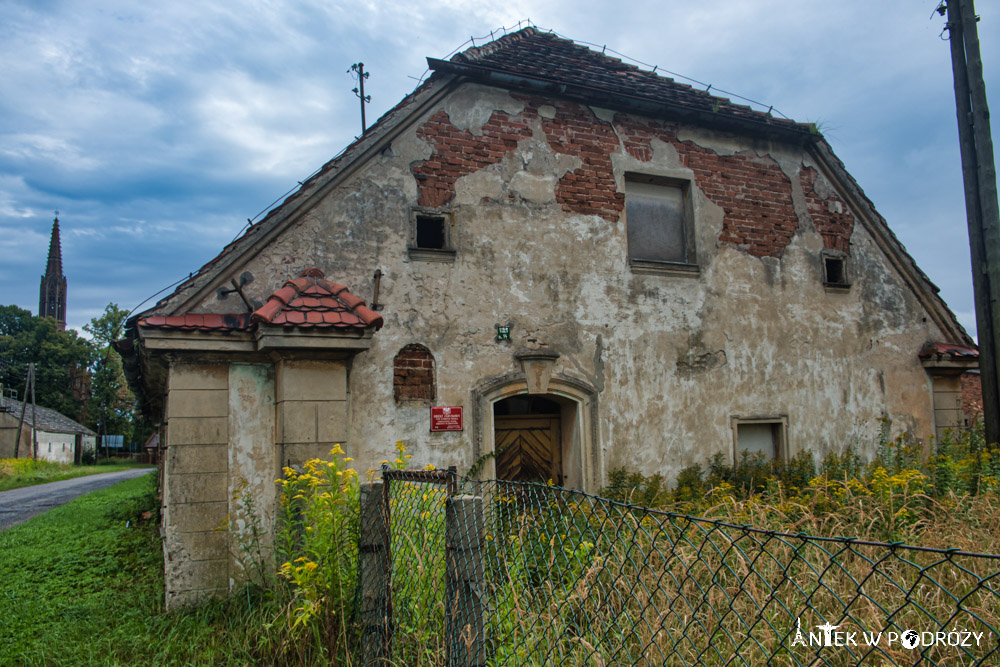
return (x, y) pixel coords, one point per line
(554, 263)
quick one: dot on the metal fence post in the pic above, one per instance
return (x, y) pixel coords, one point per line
(373, 576)
(464, 584)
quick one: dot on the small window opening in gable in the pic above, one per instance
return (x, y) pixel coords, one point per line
(430, 237)
(413, 374)
(835, 270)
(658, 221)
(430, 231)
(764, 437)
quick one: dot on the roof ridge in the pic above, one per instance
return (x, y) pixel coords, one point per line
(476, 52)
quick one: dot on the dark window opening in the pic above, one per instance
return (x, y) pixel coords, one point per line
(835, 270)
(430, 232)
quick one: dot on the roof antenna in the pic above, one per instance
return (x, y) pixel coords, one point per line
(359, 68)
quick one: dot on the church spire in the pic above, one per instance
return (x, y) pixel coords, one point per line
(52, 294)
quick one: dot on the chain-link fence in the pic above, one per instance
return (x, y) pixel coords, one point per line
(508, 573)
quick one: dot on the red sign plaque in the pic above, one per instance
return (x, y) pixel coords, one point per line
(446, 418)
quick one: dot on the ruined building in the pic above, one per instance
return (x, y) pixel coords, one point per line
(555, 263)
(52, 293)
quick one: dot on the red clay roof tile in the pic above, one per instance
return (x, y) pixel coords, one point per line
(350, 300)
(269, 310)
(286, 294)
(197, 322)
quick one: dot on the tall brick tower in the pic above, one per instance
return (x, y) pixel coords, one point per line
(52, 294)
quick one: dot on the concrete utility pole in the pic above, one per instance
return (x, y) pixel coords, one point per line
(979, 174)
(359, 69)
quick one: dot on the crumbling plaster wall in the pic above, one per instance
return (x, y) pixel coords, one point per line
(536, 191)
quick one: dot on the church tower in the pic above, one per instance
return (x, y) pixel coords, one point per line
(52, 295)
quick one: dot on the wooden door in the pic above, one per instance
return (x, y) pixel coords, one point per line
(529, 448)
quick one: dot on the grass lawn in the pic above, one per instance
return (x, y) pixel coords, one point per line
(83, 585)
(18, 473)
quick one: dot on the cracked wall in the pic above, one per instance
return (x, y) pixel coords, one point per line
(535, 192)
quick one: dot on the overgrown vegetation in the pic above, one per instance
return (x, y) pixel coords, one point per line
(564, 573)
(895, 496)
(18, 473)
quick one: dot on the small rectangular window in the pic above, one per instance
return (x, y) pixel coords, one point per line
(430, 231)
(430, 236)
(835, 270)
(658, 222)
(764, 435)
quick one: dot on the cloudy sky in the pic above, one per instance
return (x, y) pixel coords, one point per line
(157, 128)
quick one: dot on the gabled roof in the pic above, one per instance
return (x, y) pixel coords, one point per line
(46, 419)
(550, 65)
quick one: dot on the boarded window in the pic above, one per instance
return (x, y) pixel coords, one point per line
(656, 216)
(764, 437)
(413, 374)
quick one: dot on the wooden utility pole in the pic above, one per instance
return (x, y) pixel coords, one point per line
(28, 381)
(982, 213)
(34, 416)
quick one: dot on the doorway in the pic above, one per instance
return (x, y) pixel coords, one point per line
(528, 439)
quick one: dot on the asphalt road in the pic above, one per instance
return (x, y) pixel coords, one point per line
(19, 505)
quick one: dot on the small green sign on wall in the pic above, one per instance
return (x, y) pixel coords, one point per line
(503, 333)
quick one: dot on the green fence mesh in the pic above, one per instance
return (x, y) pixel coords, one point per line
(545, 575)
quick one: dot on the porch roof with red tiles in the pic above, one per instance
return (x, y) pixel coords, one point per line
(308, 301)
(312, 301)
(939, 350)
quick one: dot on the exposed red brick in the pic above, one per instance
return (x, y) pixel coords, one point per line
(754, 192)
(972, 397)
(458, 153)
(413, 374)
(589, 189)
(835, 227)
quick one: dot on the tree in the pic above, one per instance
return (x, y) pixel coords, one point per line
(61, 360)
(112, 404)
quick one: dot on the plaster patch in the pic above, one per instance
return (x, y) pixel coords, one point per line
(472, 106)
(535, 189)
(547, 111)
(607, 115)
(713, 141)
(472, 188)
